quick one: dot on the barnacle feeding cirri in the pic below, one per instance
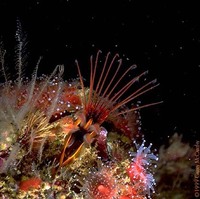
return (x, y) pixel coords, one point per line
(61, 139)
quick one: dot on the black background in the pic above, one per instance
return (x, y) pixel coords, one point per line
(162, 37)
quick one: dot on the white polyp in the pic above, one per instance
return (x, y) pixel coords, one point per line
(143, 158)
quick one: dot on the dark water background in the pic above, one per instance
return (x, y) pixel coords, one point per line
(162, 37)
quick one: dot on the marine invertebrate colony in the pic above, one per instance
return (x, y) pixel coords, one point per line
(73, 141)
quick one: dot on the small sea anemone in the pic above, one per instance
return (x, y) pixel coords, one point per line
(100, 184)
(139, 168)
